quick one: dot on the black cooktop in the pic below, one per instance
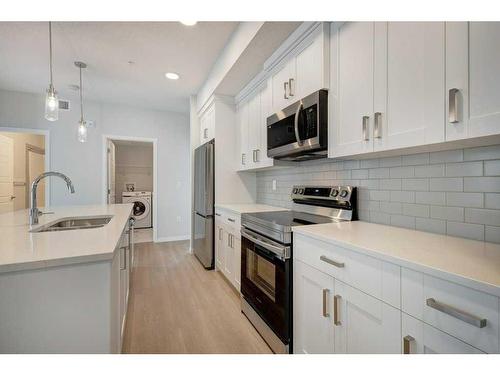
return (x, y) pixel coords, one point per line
(287, 219)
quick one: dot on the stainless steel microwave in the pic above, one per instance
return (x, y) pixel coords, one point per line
(300, 131)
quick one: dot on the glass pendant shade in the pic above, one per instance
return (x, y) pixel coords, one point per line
(51, 105)
(82, 131)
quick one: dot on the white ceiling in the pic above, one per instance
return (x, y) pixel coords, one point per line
(107, 47)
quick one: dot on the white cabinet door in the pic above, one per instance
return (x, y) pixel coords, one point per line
(351, 88)
(281, 86)
(420, 338)
(472, 79)
(243, 136)
(265, 112)
(254, 129)
(237, 263)
(229, 256)
(365, 325)
(313, 293)
(409, 92)
(219, 246)
(312, 65)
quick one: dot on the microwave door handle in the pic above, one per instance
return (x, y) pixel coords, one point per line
(296, 124)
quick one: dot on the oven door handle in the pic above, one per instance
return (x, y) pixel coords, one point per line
(283, 252)
(296, 124)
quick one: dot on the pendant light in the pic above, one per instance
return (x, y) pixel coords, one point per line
(51, 100)
(82, 125)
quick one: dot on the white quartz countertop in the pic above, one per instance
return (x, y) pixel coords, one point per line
(471, 263)
(21, 249)
(248, 207)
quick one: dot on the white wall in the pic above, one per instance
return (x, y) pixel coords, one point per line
(82, 162)
(134, 163)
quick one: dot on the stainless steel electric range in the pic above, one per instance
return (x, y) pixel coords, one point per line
(267, 251)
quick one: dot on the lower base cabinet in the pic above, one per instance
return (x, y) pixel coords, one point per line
(228, 252)
(421, 338)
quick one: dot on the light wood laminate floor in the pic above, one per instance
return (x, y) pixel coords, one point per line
(176, 306)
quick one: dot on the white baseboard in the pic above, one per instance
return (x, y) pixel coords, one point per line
(173, 238)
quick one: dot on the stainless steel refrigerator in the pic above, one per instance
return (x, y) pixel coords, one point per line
(204, 186)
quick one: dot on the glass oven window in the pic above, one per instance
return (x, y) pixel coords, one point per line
(262, 273)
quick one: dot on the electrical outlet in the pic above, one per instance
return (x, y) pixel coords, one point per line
(274, 184)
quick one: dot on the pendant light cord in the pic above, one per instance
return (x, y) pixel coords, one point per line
(50, 52)
(81, 96)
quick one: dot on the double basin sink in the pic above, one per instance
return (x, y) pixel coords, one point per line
(73, 223)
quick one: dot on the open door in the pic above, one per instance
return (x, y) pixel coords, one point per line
(111, 172)
(35, 166)
(6, 174)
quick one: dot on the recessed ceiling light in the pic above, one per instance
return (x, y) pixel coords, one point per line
(189, 23)
(172, 75)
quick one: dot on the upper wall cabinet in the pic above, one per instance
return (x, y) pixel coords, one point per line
(303, 70)
(386, 87)
(472, 79)
(207, 124)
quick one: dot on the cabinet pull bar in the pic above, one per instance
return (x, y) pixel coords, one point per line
(336, 319)
(205, 133)
(377, 132)
(243, 159)
(290, 81)
(220, 234)
(231, 220)
(456, 313)
(285, 85)
(453, 106)
(366, 120)
(257, 154)
(217, 214)
(407, 340)
(332, 262)
(325, 302)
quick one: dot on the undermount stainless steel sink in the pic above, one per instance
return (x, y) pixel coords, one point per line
(73, 223)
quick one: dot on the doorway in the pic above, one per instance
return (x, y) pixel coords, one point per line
(22, 159)
(131, 178)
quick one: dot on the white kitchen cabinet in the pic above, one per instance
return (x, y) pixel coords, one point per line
(305, 71)
(363, 324)
(228, 246)
(387, 86)
(207, 125)
(420, 338)
(243, 121)
(409, 75)
(237, 262)
(313, 293)
(220, 250)
(472, 79)
(351, 88)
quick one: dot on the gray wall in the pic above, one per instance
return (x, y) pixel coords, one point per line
(451, 192)
(83, 162)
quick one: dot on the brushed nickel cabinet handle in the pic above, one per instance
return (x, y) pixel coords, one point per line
(243, 159)
(332, 262)
(290, 81)
(220, 234)
(377, 133)
(231, 220)
(229, 240)
(257, 154)
(325, 302)
(366, 120)
(217, 214)
(456, 313)
(407, 340)
(453, 106)
(205, 133)
(336, 319)
(285, 85)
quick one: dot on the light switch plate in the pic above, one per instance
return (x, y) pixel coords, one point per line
(274, 184)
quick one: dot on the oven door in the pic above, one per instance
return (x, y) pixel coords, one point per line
(266, 284)
(300, 128)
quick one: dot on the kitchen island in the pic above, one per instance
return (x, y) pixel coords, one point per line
(64, 290)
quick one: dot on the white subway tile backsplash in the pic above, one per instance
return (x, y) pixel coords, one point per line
(482, 153)
(453, 192)
(492, 168)
(429, 170)
(484, 184)
(482, 216)
(464, 199)
(447, 213)
(450, 156)
(430, 225)
(472, 231)
(472, 168)
(492, 200)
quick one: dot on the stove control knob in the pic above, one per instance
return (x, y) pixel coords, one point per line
(334, 193)
(301, 191)
(295, 190)
(343, 193)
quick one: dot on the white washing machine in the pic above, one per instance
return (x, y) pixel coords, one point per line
(143, 207)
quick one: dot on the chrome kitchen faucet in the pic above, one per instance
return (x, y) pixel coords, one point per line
(34, 211)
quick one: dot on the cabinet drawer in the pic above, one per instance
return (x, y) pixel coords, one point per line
(374, 277)
(421, 338)
(467, 314)
(231, 221)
